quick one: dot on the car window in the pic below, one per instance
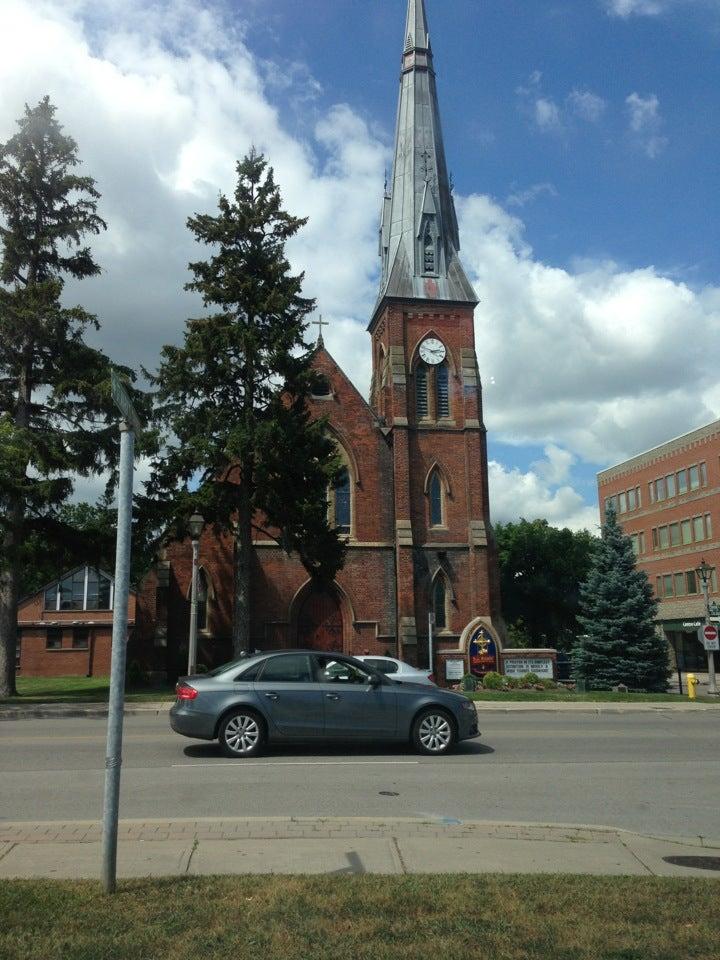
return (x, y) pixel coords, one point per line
(331, 670)
(251, 672)
(384, 666)
(293, 668)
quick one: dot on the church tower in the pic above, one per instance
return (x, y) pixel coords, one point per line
(426, 386)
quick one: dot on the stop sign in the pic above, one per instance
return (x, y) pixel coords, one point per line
(710, 632)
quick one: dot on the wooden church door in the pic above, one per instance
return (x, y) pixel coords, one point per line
(320, 624)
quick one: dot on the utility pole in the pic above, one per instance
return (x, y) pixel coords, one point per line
(196, 525)
(129, 426)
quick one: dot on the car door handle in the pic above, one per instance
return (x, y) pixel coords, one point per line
(332, 696)
(272, 696)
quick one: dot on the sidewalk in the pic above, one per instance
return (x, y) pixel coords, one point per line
(344, 846)
(59, 711)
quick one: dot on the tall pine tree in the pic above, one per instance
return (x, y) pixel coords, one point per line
(55, 409)
(240, 444)
(617, 611)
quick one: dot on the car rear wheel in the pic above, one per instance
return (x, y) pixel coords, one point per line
(242, 734)
(433, 732)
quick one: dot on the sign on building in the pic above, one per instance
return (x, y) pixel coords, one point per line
(519, 666)
(454, 669)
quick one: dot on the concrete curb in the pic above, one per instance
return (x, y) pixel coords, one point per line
(73, 711)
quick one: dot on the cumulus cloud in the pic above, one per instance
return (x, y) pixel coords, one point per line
(520, 198)
(594, 359)
(587, 105)
(646, 122)
(515, 494)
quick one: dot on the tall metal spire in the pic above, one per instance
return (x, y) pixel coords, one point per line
(419, 240)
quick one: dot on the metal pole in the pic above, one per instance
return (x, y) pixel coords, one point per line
(431, 652)
(113, 752)
(712, 685)
(192, 645)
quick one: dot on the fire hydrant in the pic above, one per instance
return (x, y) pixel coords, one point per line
(692, 682)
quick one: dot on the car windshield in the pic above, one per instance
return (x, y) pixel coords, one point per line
(243, 662)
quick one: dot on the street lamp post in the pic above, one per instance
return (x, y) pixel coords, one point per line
(195, 526)
(704, 572)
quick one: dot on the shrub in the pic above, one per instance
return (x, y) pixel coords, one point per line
(531, 680)
(548, 684)
(493, 681)
(512, 683)
(469, 682)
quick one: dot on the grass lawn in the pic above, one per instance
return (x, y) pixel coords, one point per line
(363, 918)
(570, 696)
(78, 690)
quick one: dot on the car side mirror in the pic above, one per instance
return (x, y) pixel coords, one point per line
(375, 680)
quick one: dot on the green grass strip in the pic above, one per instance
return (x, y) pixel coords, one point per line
(363, 918)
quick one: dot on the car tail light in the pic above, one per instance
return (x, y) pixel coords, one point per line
(183, 691)
(431, 677)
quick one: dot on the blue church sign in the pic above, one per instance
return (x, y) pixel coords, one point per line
(483, 653)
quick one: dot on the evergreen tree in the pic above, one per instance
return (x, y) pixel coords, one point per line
(617, 612)
(56, 415)
(240, 444)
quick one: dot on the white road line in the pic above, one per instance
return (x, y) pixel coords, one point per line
(239, 764)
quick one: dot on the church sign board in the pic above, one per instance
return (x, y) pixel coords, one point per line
(517, 663)
(454, 669)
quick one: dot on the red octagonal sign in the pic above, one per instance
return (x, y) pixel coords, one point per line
(710, 632)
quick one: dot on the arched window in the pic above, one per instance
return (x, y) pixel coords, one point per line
(341, 491)
(421, 390)
(440, 603)
(436, 500)
(202, 599)
(442, 385)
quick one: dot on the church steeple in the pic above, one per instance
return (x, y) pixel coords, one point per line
(419, 240)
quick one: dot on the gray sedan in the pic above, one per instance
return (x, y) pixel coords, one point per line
(306, 695)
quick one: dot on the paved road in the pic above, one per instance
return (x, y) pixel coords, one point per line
(656, 773)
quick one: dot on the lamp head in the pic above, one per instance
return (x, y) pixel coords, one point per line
(703, 571)
(195, 526)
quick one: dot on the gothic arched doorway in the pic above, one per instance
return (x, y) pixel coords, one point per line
(320, 621)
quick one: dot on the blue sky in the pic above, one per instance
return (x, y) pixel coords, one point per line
(583, 138)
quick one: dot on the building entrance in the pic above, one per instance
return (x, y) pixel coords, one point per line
(320, 623)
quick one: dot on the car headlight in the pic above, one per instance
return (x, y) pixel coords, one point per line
(469, 705)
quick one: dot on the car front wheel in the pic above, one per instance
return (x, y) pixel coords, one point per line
(434, 732)
(242, 734)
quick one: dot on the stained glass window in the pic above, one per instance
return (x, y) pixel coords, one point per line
(342, 501)
(436, 513)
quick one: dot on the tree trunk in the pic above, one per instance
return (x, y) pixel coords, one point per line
(243, 571)
(8, 604)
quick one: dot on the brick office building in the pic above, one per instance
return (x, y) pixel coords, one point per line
(413, 498)
(668, 501)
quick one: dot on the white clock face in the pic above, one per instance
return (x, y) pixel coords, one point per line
(432, 351)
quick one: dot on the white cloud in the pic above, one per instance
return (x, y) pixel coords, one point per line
(629, 8)
(547, 114)
(555, 468)
(645, 123)
(516, 495)
(587, 105)
(520, 198)
(599, 360)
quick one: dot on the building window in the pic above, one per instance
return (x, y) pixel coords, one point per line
(632, 500)
(202, 599)
(622, 503)
(691, 578)
(668, 585)
(81, 638)
(686, 531)
(670, 484)
(341, 492)
(694, 478)
(674, 534)
(682, 481)
(436, 500)
(53, 638)
(429, 251)
(699, 528)
(703, 474)
(421, 391)
(442, 381)
(660, 489)
(440, 603)
(708, 527)
(84, 589)
(664, 537)
(651, 489)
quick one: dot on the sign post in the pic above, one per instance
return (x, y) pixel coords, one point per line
(129, 425)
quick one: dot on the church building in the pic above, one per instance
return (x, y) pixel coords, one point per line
(413, 495)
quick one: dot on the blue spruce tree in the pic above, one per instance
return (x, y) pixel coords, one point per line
(617, 611)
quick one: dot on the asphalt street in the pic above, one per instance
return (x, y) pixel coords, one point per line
(654, 773)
